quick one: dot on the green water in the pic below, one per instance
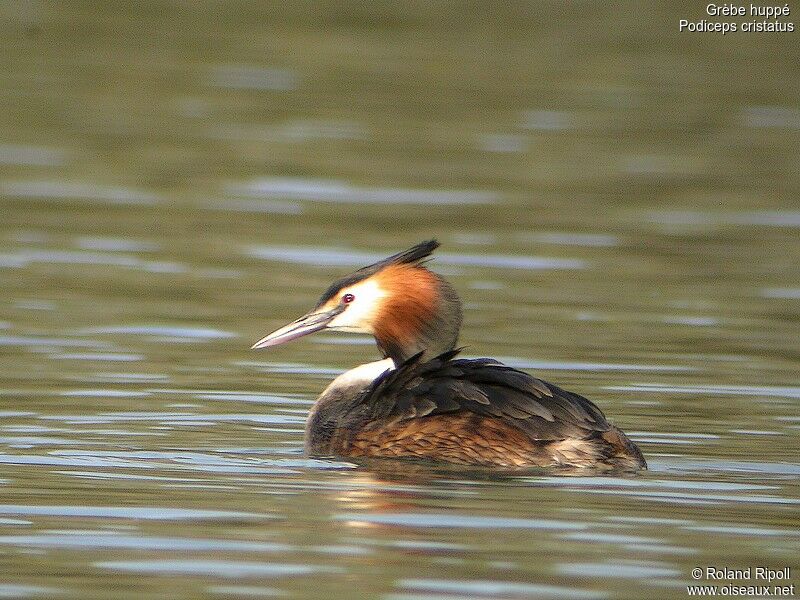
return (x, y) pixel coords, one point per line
(617, 205)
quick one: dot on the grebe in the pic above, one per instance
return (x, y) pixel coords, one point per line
(423, 402)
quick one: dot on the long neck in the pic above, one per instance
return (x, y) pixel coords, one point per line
(421, 320)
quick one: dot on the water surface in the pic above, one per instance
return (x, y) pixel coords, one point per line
(617, 206)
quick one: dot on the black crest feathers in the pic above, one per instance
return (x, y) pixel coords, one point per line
(411, 256)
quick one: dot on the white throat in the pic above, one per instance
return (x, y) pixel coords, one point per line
(362, 374)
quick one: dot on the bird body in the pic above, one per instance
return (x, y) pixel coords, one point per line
(422, 401)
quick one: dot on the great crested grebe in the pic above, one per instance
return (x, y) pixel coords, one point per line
(422, 402)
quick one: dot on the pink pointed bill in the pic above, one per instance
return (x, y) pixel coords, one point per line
(308, 323)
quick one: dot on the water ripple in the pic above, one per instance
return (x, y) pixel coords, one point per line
(501, 589)
(545, 365)
(65, 190)
(18, 340)
(767, 218)
(721, 390)
(113, 244)
(175, 417)
(337, 191)
(447, 520)
(162, 332)
(38, 156)
(12, 590)
(106, 541)
(328, 257)
(24, 257)
(791, 293)
(629, 570)
(147, 513)
(215, 568)
(249, 77)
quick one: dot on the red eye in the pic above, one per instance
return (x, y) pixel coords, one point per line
(348, 298)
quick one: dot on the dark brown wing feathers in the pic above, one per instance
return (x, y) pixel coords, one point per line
(484, 387)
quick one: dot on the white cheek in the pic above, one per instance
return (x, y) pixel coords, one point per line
(360, 313)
